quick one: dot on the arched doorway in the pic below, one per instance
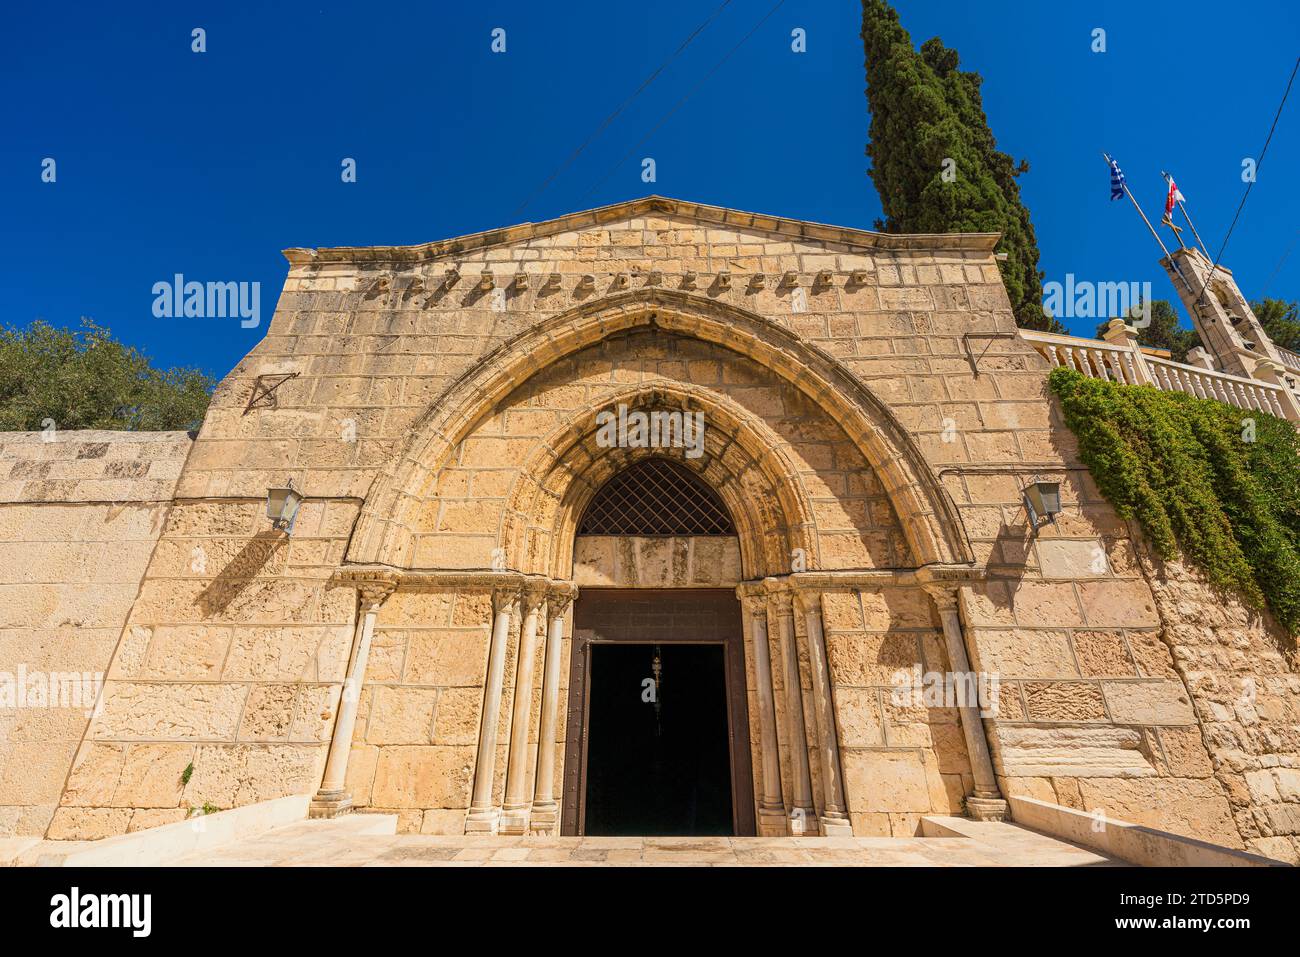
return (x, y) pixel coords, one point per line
(657, 716)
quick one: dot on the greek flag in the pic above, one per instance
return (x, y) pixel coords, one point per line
(1116, 181)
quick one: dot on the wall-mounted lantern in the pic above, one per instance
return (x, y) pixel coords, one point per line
(282, 506)
(1042, 500)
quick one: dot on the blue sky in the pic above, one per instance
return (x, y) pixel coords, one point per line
(209, 164)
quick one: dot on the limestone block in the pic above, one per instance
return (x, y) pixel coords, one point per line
(1072, 559)
(138, 710)
(94, 775)
(870, 659)
(230, 775)
(151, 775)
(1072, 752)
(144, 818)
(857, 714)
(194, 652)
(1046, 604)
(1103, 654)
(424, 777)
(1185, 752)
(88, 823)
(1118, 604)
(1152, 655)
(1195, 808)
(885, 781)
(1149, 702)
(1026, 653)
(31, 772)
(447, 657)
(1064, 701)
(401, 715)
(456, 719)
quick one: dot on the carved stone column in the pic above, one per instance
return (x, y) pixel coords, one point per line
(483, 816)
(546, 810)
(333, 798)
(803, 815)
(835, 818)
(771, 807)
(514, 819)
(986, 804)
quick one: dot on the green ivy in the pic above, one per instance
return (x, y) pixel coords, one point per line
(1207, 481)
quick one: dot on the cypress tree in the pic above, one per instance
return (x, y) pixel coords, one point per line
(934, 160)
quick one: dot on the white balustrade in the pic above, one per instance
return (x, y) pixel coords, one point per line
(1131, 366)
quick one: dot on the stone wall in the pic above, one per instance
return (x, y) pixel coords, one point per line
(871, 412)
(902, 757)
(79, 515)
(413, 748)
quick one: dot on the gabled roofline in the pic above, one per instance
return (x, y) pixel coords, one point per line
(648, 205)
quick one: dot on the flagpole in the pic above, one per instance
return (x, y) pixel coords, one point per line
(1199, 242)
(1154, 234)
(1183, 208)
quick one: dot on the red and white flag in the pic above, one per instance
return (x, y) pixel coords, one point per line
(1174, 198)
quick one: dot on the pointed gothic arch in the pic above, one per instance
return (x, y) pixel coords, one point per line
(928, 517)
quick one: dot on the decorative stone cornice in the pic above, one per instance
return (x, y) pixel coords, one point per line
(468, 579)
(648, 205)
(948, 577)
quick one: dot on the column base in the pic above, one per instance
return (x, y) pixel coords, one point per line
(803, 822)
(836, 827)
(545, 819)
(482, 822)
(327, 804)
(514, 821)
(987, 809)
(771, 822)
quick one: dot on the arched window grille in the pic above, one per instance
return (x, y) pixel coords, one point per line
(656, 497)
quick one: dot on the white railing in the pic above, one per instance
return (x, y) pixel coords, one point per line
(1289, 359)
(1248, 394)
(1125, 362)
(1094, 358)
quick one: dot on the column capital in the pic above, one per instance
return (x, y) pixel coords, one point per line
(943, 594)
(560, 597)
(505, 597)
(807, 598)
(373, 593)
(534, 594)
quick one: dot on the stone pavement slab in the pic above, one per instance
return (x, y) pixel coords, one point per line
(333, 843)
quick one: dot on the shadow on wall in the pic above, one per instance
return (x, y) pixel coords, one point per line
(242, 571)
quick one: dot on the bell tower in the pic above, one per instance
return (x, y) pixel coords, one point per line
(1222, 317)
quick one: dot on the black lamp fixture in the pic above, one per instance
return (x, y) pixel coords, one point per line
(282, 506)
(1042, 500)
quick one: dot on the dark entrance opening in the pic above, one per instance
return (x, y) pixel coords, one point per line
(658, 754)
(682, 771)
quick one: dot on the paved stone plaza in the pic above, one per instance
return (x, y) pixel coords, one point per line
(340, 843)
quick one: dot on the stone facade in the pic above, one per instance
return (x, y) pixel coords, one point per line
(80, 513)
(872, 417)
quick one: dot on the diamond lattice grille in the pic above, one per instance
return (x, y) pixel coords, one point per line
(655, 497)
